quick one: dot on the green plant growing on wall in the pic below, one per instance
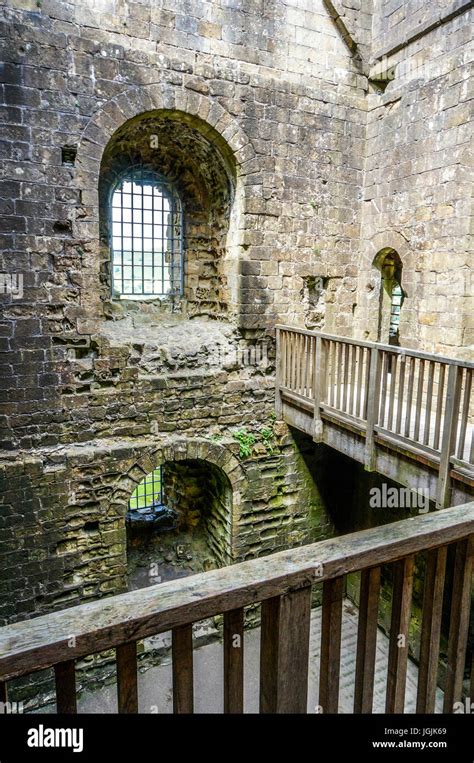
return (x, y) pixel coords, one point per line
(264, 435)
(267, 434)
(246, 441)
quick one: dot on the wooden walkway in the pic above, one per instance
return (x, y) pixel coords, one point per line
(283, 585)
(407, 414)
(155, 685)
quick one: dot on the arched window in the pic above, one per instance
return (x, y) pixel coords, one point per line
(392, 295)
(146, 236)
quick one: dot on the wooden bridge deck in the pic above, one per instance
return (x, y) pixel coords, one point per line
(290, 663)
(406, 414)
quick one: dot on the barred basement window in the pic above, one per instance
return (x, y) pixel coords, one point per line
(147, 236)
(149, 493)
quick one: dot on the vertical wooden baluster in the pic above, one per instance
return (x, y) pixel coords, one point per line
(450, 425)
(310, 382)
(291, 350)
(307, 366)
(393, 384)
(459, 622)
(278, 375)
(298, 363)
(301, 363)
(284, 652)
(294, 362)
(431, 629)
(284, 359)
(339, 374)
(439, 405)
(320, 383)
(294, 342)
(464, 414)
(65, 680)
(398, 648)
(419, 399)
(429, 402)
(234, 661)
(367, 640)
(291, 360)
(127, 681)
(383, 387)
(372, 393)
(411, 382)
(183, 688)
(358, 382)
(351, 409)
(401, 392)
(368, 359)
(333, 593)
(331, 373)
(346, 377)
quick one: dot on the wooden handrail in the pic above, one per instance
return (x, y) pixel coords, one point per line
(44, 641)
(424, 402)
(378, 345)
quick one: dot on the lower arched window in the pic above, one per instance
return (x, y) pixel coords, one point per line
(146, 236)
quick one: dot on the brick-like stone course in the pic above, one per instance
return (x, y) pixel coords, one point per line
(323, 171)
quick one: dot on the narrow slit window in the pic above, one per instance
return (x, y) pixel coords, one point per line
(146, 237)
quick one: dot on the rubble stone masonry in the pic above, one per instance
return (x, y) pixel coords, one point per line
(296, 167)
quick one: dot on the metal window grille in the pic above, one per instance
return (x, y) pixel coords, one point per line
(149, 493)
(146, 236)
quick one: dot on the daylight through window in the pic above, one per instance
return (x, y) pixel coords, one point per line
(146, 237)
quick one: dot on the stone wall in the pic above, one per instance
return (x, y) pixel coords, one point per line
(416, 188)
(94, 393)
(270, 94)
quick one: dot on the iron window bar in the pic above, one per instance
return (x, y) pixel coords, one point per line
(149, 492)
(146, 233)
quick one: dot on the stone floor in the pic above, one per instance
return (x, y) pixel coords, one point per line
(155, 684)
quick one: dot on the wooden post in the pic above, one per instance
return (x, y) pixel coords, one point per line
(65, 678)
(333, 593)
(459, 622)
(319, 387)
(448, 445)
(431, 629)
(234, 661)
(398, 648)
(127, 684)
(278, 375)
(373, 396)
(367, 640)
(182, 649)
(284, 652)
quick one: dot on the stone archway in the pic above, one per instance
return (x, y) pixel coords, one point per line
(205, 115)
(205, 483)
(370, 284)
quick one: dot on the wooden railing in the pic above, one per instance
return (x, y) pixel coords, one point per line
(283, 584)
(419, 401)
